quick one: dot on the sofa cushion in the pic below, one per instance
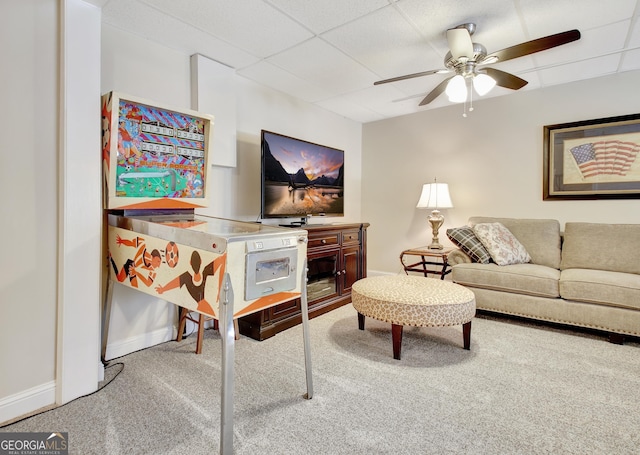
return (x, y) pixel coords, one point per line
(612, 247)
(603, 287)
(540, 237)
(464, 238)
(530, 279)
(501, 244)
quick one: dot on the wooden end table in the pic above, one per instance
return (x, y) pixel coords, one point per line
(431, 261)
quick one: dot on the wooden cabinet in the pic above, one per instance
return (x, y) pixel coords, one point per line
(336, 258)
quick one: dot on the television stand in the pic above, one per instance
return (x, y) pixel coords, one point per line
(303, 222)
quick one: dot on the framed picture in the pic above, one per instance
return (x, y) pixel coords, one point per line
(592, 159)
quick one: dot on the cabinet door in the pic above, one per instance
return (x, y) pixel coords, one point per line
(350, 268)
(322, 283)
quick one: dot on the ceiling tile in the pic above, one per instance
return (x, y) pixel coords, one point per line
(581, 70)
(350, 110)
(630, 60)
(385, 43)
(279, 79)
(545, 17)
(252, 25)
(324, 15)
(634, 34)
(149, 23)
(328, 67)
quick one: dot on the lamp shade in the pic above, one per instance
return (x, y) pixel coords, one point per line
(483, 83)
(435, 196)
(457, 89)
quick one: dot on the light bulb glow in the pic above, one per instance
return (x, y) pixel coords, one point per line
(483, 83)
(457, 89)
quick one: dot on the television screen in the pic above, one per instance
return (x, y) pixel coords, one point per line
(300, 178)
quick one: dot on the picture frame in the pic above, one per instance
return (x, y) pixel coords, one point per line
(592, 159)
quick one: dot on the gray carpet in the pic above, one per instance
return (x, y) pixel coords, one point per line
(522, 389)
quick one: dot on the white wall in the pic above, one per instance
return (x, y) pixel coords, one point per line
(28, 183)
(492, 161)
(49, 286)
(136, 66)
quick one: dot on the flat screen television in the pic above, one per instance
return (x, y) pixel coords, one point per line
(300, 179)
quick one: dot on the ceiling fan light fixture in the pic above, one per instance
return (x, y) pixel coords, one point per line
(483, 83)
(457, 89)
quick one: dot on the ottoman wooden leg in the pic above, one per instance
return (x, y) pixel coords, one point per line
(466, 335)
(396, 337)
(361, 321)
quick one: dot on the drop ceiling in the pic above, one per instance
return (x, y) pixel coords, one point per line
(330, 52)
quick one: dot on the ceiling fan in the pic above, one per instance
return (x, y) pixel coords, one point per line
(469, 60)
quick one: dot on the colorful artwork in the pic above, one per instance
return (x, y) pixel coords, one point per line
(153, 154)
(182, 275)
(186, 276)
(160, 153)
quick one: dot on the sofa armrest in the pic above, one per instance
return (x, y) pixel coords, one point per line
(458, 256)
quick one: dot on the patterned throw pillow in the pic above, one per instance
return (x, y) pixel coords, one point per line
(503, 247)
(464, 238)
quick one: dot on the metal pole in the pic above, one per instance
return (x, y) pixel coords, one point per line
(227, 334)
(106, 317)
(305, 331)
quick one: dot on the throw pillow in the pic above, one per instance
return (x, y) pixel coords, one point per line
(501, 244)
(464, 238)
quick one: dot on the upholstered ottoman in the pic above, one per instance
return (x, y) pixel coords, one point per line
(414, 301)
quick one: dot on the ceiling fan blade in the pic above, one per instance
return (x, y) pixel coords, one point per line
(506, 80)
(440, 88)
(460, 43)
(410, 76)
(533, 46)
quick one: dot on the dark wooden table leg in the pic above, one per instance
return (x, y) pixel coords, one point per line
(361, 321)
(396, 337)
(182, 322)
(466, 335)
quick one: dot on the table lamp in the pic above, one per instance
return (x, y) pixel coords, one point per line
(434, 196)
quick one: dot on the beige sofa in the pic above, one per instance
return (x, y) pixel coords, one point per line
(589, 276)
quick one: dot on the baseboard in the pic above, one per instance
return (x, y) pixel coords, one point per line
(143, 341)
(27, 401)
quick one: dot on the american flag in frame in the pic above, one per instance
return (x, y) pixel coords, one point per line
(592, 159)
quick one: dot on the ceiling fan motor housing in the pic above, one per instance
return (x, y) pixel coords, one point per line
(466, 64)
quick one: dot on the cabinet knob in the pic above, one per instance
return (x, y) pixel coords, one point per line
(323, 241)
(338, 273)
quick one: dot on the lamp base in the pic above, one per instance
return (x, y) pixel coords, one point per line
(435, 220)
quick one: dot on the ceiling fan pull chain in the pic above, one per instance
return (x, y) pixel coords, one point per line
(470, 94)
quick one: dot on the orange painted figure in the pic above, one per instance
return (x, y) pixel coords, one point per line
(126, 144)
(143, 265)
(195, 283)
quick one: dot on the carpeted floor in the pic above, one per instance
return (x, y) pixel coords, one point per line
(521, 389)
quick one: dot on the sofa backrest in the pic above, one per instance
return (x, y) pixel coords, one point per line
(599, 246)
(540, 237)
